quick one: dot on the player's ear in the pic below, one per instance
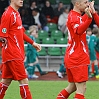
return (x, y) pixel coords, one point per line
(77, 3)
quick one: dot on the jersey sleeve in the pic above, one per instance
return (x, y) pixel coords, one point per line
(80, 28)
(84, 17)
(5, 24)
(96, 18)
(27, 39)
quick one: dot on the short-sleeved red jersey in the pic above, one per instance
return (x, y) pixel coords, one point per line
(12, 30)
(77, 50)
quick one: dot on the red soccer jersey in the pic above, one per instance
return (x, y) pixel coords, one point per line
(12, 30)
(77, 50)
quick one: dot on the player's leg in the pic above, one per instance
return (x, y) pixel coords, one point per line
(60, 71)
(17, 69)
(81, 88)
(80, 75)
(5, 82)
(30, 70)
(4, 86)
(94, 59)
(96, 68)
(39, 67)
(21, 76)
(64, 94)
(24, 89)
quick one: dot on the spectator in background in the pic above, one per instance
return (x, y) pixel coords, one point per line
(48, 11)
(91, 40)
(32, 55)
(32, 6)
(25, 17)
(39, 19)
(62, 21)
(58, 11)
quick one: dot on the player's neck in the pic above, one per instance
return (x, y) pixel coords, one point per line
(14, 7)
(77, 10)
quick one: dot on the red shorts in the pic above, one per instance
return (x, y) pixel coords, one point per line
(14, 69)
(77, 74)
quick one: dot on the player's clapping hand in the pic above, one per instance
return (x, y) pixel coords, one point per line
(87, 11)
(37, 46)
(91, 5)
(3, 41)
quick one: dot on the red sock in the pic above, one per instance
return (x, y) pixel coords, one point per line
(63, 94)
(79, 96)
(25, 92)
(3, 89)
(93, 68)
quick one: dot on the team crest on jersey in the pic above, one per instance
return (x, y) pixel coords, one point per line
(4, 30)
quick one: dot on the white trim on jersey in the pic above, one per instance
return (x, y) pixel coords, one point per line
(14, 14)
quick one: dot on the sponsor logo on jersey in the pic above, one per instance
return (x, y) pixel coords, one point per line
(4, 30)
(19, 27)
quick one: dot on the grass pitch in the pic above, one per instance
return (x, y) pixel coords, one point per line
(50, 89)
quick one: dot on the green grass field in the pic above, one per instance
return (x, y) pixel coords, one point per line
(50, 89)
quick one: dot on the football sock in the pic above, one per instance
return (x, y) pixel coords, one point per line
(93, 68)
(3, 89)
(88, 69)
(96, 69)
(61, 68)
(79, 96)
(63, 94)
(31, 70)
(25, 92)
(38, 66)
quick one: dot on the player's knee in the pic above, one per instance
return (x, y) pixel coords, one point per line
(23, 81)
(71, 88)
(6, 81)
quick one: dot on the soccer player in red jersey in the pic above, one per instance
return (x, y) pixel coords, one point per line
(76, 57)
(13, 52)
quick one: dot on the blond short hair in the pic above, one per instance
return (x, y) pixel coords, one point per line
(32, 28)
(74, 1)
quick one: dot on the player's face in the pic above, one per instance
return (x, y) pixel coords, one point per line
(89, 32)
(18, 3)
(83, 5)
(34, 33)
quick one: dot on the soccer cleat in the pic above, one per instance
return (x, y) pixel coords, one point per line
(59, 74)
(32, 76)
(35, 76)
(43, 73)
(97, 76)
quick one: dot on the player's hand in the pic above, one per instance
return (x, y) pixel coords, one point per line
(91, 5)
(87, 11)
(3, 41)
(37, 46)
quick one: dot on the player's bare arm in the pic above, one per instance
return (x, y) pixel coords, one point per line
(87, 11)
